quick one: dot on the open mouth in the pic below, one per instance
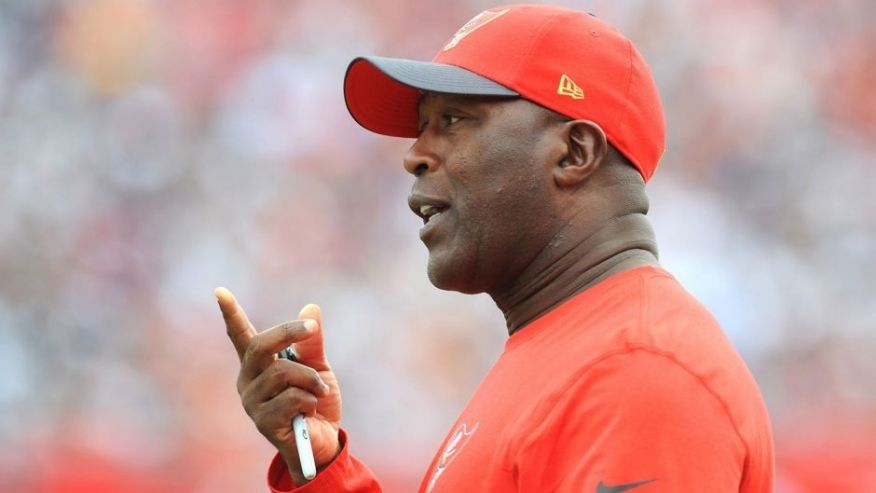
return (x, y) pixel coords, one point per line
(427, 207)
(429, 212)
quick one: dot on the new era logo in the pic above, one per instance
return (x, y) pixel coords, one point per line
(569, 88)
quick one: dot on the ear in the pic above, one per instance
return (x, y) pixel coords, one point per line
(585, 153)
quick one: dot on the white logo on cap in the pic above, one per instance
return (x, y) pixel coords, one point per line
(477, 21)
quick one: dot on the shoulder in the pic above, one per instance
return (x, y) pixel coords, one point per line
(639, 383)
(635, 414)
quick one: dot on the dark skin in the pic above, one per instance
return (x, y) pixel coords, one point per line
(532, 208)
(539, 208)
(274, 390)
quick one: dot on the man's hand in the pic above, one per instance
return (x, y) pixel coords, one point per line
(273, 390)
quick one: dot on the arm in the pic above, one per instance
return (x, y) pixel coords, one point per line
(273, 391)
(636, 418)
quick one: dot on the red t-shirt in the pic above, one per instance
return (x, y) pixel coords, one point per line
(629, 385)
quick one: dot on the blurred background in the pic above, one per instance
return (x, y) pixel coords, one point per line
(152, 150)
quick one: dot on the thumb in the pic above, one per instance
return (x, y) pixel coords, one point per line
(311, 351)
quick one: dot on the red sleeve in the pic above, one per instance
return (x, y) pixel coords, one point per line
(637, 419)
(345, 474)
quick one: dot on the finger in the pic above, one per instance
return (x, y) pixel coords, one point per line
(238, 327)
(263, 348)
(311, 351)
(278, 412)
(280, 375)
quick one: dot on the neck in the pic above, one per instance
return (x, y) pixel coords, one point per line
(574, 261)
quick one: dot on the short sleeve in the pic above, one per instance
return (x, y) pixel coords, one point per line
(635, 418)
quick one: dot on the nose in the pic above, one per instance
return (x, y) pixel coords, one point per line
(421, 157)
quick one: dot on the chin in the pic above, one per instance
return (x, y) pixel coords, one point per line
(452, 276)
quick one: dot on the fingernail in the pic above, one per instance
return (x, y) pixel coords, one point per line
(310, 325)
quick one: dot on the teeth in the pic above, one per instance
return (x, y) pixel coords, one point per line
(428, 211)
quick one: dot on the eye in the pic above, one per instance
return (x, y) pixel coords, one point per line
(448, 119)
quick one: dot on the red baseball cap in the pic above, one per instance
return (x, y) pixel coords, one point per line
(566, 60)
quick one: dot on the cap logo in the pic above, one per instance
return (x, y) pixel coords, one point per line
(569, 88)
(477, 21)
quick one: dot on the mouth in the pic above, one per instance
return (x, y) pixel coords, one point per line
(427, 208)
(430, 212)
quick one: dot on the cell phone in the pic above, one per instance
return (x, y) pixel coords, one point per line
(299, 427)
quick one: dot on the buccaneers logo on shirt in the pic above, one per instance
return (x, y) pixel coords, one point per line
(458, 439)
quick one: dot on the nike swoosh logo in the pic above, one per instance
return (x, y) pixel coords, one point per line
(602, 488)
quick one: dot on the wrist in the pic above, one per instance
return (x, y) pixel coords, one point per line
(293, 464)
(294, 467)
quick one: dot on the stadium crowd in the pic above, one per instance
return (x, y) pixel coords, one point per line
(151, 150)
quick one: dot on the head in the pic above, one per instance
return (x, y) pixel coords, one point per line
(517, 120)
(501, 179)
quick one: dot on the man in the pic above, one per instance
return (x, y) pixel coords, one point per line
(536, 129)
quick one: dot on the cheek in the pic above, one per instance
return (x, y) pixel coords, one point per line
(502, 182)
(506, 201)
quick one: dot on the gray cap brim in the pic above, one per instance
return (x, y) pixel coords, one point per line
(382, 93)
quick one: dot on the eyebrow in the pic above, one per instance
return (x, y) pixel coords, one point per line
(459, 99)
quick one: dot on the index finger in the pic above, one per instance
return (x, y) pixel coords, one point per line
(238, 327)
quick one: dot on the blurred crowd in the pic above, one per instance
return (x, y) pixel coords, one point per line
(151, 150)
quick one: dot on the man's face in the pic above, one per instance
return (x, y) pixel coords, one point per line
(482, 170)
